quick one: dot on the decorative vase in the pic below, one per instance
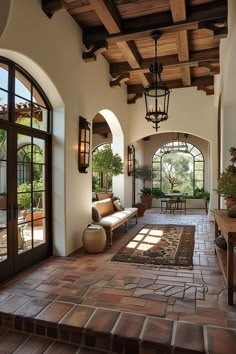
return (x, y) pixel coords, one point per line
(94, 239)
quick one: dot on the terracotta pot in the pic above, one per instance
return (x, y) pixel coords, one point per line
(141, 208)
(147, 199)
(36, 215)
(229, 202)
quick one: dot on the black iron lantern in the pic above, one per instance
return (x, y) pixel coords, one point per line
(156, 93)
(84, 145)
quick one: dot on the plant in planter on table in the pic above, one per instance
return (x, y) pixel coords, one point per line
(227, 189)
(227, 182)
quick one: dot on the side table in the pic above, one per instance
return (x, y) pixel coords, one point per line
(94, 239)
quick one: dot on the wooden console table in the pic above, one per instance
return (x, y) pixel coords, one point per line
(227, 258)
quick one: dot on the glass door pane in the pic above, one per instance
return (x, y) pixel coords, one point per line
(31, 192)
(3, 196)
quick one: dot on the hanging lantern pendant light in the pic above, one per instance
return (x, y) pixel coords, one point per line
(156, 93)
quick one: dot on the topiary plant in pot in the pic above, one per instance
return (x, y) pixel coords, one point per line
(145, 173)
(227, 181)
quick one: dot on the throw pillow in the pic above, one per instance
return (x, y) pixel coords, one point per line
(118, 206)
(232, 211)
(95, 214)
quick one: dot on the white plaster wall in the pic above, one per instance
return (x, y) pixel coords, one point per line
(226, 82)
(51, 50)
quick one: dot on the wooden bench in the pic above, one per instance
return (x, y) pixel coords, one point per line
(227, 258)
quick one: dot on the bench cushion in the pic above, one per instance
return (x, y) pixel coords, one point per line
(117, 217)
(105, 207)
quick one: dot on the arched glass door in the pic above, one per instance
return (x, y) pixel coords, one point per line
(25, 155)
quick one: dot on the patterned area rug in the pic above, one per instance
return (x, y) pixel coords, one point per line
(169, 245)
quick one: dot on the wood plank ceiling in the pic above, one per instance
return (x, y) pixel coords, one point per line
(120, 30)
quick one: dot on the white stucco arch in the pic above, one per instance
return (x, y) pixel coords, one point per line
(5, 10)
(57, 104)
(117, 147)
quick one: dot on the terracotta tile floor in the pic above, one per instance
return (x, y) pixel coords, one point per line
(196, 295)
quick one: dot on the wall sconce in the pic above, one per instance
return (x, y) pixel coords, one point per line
(84, 144)
(131, 158)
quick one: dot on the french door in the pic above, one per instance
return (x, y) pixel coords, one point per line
(25, 212)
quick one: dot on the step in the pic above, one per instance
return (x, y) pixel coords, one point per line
(112, 331)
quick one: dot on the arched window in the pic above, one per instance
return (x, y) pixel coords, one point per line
(178, 166)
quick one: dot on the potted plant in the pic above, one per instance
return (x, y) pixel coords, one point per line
(25, 203)
(227, 181)
(145, 173)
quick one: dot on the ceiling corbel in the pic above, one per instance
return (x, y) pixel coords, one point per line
(49, 7)
(121, 78)
(135, 98)
(94, 51)
(208, 90)
(213, 69)
(219, 28)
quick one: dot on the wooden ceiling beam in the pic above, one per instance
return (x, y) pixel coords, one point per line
(168, 61)
(186, 75)
(130, 53)
(143, 79)
(108, 14)
(182, 45)
(135, 28)
(197, 81)
(178, 10)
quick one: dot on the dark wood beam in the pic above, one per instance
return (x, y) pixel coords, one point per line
(94, 51)
(101, 128)
(197, 81)
(52, 6)
(168, 61)
(207, 90)
(135, 98)
(142, 26)
(108, 14)
(121, 78)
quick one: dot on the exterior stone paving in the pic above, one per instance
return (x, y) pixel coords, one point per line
(50, 291)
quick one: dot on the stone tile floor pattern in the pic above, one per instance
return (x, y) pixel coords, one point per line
(196, 295)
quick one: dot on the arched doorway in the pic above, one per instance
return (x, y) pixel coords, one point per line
(107, 131)
(25, 188)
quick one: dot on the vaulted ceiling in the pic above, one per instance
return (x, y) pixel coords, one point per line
(120, 30)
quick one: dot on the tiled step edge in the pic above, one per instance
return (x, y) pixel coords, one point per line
(121, 332)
